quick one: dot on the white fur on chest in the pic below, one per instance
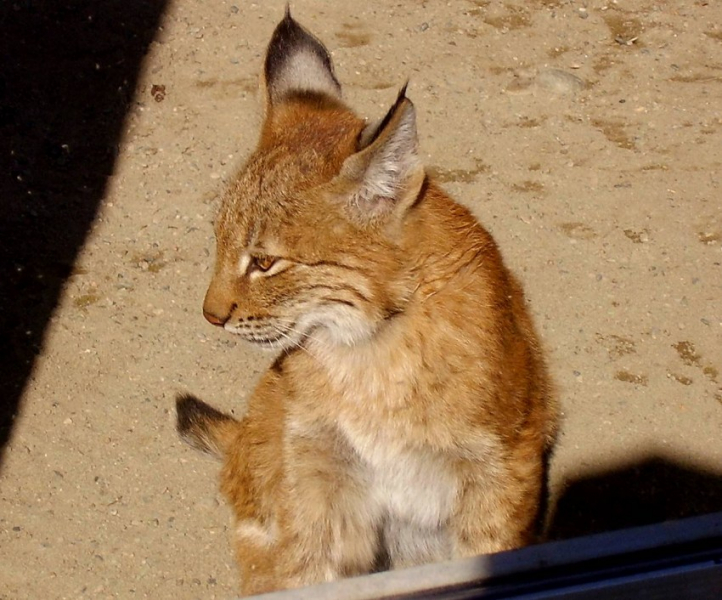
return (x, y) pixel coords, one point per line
(380, 372)
(414, 485)
(375, 386)
(409, 481)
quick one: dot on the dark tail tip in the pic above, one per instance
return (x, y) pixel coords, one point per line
(202, 426)
(189, 411)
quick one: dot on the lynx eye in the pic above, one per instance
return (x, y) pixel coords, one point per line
(264, 262)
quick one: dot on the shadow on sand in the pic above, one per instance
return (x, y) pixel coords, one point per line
(652, 490)
(68, 71)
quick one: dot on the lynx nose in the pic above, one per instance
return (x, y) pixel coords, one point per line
(218, 305)
(214, 319)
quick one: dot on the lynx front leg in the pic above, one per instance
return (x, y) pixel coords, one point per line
(257, 555)
(409, 544)
(332, 523)
(494, 515)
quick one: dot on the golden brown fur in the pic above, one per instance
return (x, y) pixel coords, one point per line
(409, 413)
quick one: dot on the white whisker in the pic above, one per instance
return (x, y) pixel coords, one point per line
(284, 334)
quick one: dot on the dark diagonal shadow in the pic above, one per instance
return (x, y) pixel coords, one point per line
(68, 70)
(653, 490)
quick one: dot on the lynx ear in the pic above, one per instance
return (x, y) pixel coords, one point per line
(386, 175)
(297, 62)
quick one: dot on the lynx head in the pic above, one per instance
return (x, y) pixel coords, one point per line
(308, 234)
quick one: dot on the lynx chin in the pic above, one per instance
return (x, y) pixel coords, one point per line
(409, 415)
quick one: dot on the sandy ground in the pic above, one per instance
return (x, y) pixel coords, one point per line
(586, 135)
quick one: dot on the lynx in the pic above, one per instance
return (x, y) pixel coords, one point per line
(409, 413)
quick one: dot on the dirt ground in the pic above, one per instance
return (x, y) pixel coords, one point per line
(586, 136)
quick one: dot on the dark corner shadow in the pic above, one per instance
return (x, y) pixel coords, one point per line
(68, 70)
(653, 490)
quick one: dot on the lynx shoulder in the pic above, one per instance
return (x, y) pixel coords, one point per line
(409, 413)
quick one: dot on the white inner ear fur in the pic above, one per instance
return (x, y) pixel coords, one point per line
(393, 162)
(304, 71)
(389, 170)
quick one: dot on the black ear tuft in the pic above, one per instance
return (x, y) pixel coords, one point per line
(296, 61)
(372, 132)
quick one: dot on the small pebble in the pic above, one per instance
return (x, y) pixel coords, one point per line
(553, 81)
(559, 82)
